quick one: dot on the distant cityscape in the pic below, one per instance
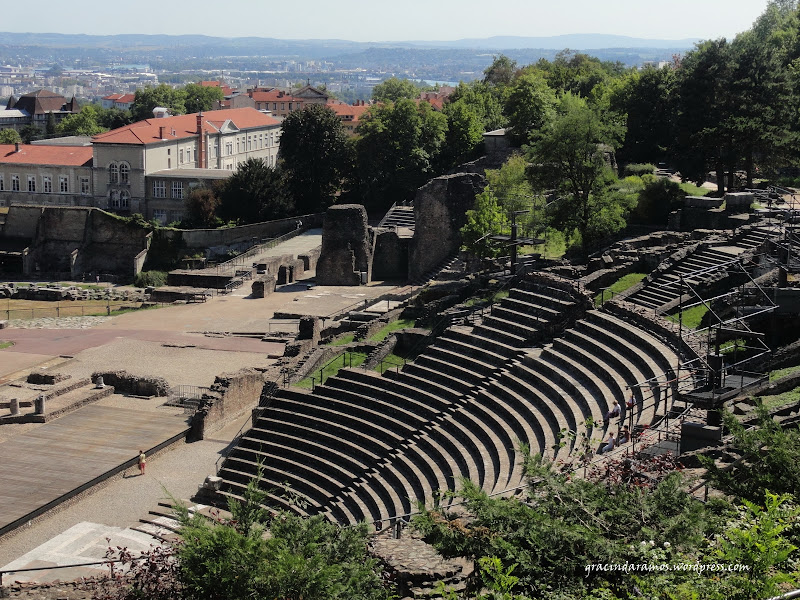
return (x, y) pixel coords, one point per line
(91, 68)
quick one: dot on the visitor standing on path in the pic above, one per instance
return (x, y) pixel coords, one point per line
(142, 462)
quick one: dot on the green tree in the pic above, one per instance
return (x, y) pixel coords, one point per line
(255, 192)
(484, 100)
(571, 155)
(112, 118)
(529, 106)
(30, 133)
(50, 126)
(145, 100)
(483, 221)
(313, 153)
(85, 122)
(704, 139)
(647, 98)
(464, 133)
(394, 89)
(202, 204)
(200, 98)
(501, 72)
(9, 136)
(397, 149)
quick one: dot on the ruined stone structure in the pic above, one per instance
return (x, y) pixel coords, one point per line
(346, 248)
(70, 241)
(440, 212)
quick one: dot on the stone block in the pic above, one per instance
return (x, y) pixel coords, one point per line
(309, 329)
(346, 249)
(263, 286)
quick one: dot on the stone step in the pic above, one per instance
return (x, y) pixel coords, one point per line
(277, 482)
(471, 337)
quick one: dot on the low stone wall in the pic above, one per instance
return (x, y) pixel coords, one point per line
(127, 383)
(40, 377)
(231, 395)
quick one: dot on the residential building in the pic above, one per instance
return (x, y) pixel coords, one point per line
(120, 101)
(144, 167)
(46, 175)
(349, 114)
(281, 103)
(34, 108)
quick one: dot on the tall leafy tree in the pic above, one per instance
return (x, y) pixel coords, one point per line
(145, 100)
(397, 149)
(394, 89)
(529, 106)
(255, 192)
(704, 137)
(647, 98)
(199, 98)
(501, 72)
(485, 100)
(85, 122)
(571, 155)
(464, 133)
(313, 153)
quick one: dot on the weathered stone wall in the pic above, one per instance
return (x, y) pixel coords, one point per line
(391, 255)
(125, 382)
(346, 249)
(310, 258)
(230, 396)
(263, 286)
(208, 238)
(21, 222)
(440, 208)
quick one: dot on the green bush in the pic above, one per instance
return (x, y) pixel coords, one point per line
(150, 279)
(639, 169)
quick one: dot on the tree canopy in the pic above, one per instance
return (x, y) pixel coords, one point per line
(314, 153)
(255, 192)
(394, 89)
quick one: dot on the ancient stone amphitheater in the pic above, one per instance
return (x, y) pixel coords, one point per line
(367, 447)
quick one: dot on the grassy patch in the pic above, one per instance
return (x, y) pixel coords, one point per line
(691, 317)
(783, 399)
(384, 331)
(342, 341)
(620, 285)
(4, 345)
(485, 299)
(392, 361)
(778, 373)
(348, 359)
(694, 190)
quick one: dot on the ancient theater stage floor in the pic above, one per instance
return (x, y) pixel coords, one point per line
(59, 458)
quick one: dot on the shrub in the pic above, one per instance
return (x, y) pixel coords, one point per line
(639, 169)
(150, 279)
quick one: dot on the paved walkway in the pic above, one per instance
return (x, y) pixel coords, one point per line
(41, 466)
(113, 507)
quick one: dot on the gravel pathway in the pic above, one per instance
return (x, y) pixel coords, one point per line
(57, 322)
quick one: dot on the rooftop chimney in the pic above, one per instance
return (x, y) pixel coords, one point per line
(16, 146)
(200, 122)
(161, 132)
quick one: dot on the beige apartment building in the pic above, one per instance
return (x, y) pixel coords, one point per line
(147, 167)
(46, 175)
(150, 166)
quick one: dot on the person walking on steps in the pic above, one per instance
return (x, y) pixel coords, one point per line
(142, 462)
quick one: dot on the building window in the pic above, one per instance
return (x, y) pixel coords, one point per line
(31, 183)
(113, 173)
(159, 189)
(169, 163)
(228, 148)
(283, 105)
(238, 146)
(85, 190)
(63, 184)
(124, 199)
(177, 189)
(15, 183)
(180, 157)
(249, 142)
(2, 184)
(160, 215)
(47, 184)
(124, 172)
(114, 199)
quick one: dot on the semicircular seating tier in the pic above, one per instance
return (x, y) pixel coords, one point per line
(370, 447)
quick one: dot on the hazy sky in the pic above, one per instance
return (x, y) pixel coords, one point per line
(382, 20)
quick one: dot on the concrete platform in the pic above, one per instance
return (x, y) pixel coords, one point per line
(82, 543)
(54, 462)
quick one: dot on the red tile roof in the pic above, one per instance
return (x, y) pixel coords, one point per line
(348, 111)
(274, 96)
(73, 156)
(183, 126)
